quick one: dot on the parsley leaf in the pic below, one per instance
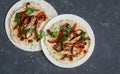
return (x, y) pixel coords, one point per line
(63, 27)
(31, 30)
(41, 35)
(30, 10)
(64, 38)
(67, 29)
(18, 15)
(82, 34)
(83, 38)
(23, 30)
(17, 18)
(53, 34)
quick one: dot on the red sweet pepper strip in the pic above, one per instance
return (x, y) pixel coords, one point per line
(75, 32)
(74, 27)
(76, 43)
(66, 44)
(42, 16)
(79, 51)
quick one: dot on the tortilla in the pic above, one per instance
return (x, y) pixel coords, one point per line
(10, 22)
(58, 55)
(55, 56)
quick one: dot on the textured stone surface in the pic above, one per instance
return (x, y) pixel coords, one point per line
(104, 18)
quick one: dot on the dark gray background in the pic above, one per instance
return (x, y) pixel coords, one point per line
(104, 18)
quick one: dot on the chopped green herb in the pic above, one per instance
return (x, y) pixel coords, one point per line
(64, 38)
(82, 34)
(85, 38)
(23, 30)
(30, 10)
(41, 35)
(17, 18)
(18, 21)
(63, 27)
(68, 29)
(18, 15)
(31, 30)
(53, 34)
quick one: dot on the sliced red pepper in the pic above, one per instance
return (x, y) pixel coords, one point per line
(41, 15)
(22, 38)
(79, 51)
(27, 20)
(30, 41)
(75, 44)
(81, 46)
(75, 32)
(22, 17)
(72, 48)
(74, 27)
(66, 44)
(53, 41)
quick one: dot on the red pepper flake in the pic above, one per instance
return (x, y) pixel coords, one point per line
(84, 43)
(66, 44)
(71, 58)
(38, 40)
(30, 41)
(85, 51)
(22, 38)
(48, 31)
(28, 3)
(82, 46)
